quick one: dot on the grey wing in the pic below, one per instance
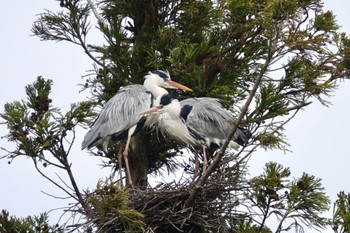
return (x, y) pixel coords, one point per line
(118, 115)
(209, 118)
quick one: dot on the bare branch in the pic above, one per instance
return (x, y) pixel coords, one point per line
(52, 181)
(97, 15)
(54, 196)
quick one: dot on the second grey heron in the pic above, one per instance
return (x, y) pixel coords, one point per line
(197, 122)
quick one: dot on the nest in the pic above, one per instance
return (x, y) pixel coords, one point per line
(165, 211)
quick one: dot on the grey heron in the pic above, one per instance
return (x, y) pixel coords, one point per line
(119, 119)
(195, 121)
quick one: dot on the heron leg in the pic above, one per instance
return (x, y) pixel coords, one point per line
(196, 165)
(205, 160)
(120, 156)
(126, 151)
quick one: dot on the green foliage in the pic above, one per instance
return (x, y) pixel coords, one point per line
(74, 22)
(29, 224)
(271, 140)
(282, 54)
(341, 213)
(38, 96)
(218, 48)
(302, 200)
(325, 22)
(269, 105)
(308, 196)
(29, 122)
(109, 206)
(44, 134)
(37, 127)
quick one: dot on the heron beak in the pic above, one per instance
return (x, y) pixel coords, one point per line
(178, 85)
(148, 111)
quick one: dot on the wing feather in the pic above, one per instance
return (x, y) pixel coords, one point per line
(118, 115)
(209, 118)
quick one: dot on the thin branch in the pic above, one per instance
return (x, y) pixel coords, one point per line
(222, 150)
(56, 197)
(96, 14)
(265, 215)
(279, 228)
(78, 194)
(87, 51)
(52, 163)
(242, 159)
(63, 182)
(266, 116)
(71, 142)
(52, 181)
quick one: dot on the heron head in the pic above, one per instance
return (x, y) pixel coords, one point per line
(162, 79)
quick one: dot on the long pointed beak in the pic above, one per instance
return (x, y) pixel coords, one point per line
(178, 85)
(148, 111)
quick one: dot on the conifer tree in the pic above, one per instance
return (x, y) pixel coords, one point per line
(265, 59)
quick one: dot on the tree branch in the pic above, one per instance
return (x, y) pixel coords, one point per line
(97, 15)
(52, 181)
(266, 116)
(222, 150)
(87, 51)
(79, 196)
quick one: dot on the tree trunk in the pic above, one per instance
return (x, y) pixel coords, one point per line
(138, 160)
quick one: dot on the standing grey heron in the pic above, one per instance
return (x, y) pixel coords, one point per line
(119, 119)
(197, 122)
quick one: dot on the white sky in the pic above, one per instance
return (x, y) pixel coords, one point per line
(318, 135)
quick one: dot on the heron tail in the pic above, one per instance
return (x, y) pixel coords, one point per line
(241, 136)
(91, 138)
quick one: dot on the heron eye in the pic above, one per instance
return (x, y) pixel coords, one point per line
(161, 74)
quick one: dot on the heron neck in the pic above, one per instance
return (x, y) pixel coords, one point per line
(176, 108)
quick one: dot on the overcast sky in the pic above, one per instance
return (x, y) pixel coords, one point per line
(318, 135)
